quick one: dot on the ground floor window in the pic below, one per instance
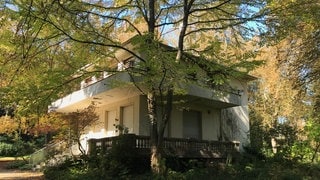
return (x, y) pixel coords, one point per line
(192, 126)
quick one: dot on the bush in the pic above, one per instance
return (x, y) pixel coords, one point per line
(19, 164)
(18, 148)
(270, 168)
(23, 148)
(26, 167)
(7, 149)
(72, 170)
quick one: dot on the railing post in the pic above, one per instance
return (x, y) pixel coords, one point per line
(92, 147)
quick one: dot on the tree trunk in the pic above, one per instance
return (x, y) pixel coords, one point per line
(186, 12)
(166, 117)
(155, 152)
(157, 164)
(151, 20)
(157, 131)
(152, 110)
(315, 152)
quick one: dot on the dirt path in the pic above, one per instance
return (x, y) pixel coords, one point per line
(18, 174)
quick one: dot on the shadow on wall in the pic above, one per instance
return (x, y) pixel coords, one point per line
(235, 125)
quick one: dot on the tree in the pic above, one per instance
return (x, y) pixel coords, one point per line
(299, 52)
(47, 29)
(72, 126)
(278, 110)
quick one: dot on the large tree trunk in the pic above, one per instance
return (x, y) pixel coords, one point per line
(157, 130)
(155, 153)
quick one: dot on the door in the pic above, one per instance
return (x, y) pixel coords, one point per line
(127, 118)
(192, 126)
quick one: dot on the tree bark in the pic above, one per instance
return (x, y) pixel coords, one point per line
(315, 152)
(152, 19)
(155, 152)
(157, 131)
(167, 115)
(186, 12)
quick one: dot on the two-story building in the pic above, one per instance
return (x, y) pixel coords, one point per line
(207, 116)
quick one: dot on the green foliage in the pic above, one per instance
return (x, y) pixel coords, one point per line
(7, 149)
(19, 164)
(285, 135)
(291, 144)
(18, 148)
(24, 147)
(249, 166)
(54, 40)
(257, 131)
(313, 130)
(313, 135)
(70, 169)
(121, 129)
(302, 151)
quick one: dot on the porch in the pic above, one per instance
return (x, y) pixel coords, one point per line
(173, 147)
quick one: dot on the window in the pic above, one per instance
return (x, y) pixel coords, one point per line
(192, 126)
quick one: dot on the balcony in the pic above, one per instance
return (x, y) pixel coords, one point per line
(102, 90)
(173, 147)
(112, 87)
(214, 97)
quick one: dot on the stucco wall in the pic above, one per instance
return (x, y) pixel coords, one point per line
(235, 125)
(98, 130)
(235, 120)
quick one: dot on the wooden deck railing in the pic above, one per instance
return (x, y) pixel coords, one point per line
(174, 147)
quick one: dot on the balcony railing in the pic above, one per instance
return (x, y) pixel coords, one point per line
(172, 147)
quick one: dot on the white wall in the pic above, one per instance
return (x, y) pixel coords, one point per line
(235, 120)
(100, 128)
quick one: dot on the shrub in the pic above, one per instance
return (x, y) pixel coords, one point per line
(23, 147)
(26, 167)
(18, 148)
(16, 164)
(71, 170)
(7, 149)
